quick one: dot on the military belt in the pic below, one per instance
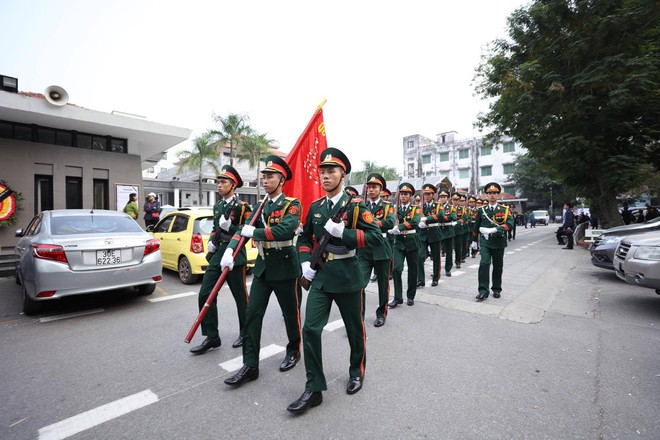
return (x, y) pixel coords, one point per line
(408, 232)
(448, 224)
(276, 244)
(329, 256)
(433, 225)
(224, 237)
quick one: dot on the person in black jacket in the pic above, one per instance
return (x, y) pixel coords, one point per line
(151, 210)
(567, 227)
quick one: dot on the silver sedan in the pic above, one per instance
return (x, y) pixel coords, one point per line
(77, 251)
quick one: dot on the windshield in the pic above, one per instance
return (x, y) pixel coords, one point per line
(92, 225)
(540, 213)
(203, 225)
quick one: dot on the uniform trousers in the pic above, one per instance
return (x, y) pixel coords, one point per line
(412, 259)
(497, 258)
(317, 312)
(447, 249)
(435, 259)
(381, 269)
(458, 248)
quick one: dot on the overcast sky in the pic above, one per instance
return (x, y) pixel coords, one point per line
(387, 69)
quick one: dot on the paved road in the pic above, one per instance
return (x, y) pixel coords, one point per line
(569, 351)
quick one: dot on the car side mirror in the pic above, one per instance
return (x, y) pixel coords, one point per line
(19, 233)
(150, 228)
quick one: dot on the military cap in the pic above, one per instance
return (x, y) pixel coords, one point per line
(386, 191)
(377, 179)
(473, 199)
(428, 188)
(352, 190)
(456, 196)
(492, 186)
(463, 197)
(333, 157)
(480, 201)
(443, 193)
(407, 187)
(275, 164)
(229, 172)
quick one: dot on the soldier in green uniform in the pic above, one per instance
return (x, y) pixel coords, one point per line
(338, 280)
(378, 257)
(277, 269)
(472, 212)
(228, 214)
(406, 245)
(446, 222)
(492, 224)
(459, 229)
(429, 236)
(513, 213)
(466, 228)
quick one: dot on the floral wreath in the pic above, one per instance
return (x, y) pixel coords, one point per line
(10, 204)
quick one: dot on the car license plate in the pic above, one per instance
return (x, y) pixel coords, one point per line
(108, 257)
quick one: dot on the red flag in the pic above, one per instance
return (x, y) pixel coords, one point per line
(303, 161)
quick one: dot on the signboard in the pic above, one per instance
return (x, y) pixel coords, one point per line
(123, 191)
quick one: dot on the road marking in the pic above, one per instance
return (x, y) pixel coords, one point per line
(161, 291)
(334, 325)
(458, 273)
(20, 421)
(70, 315)
(265, 352)
(178, 295)
(509, 253)
(89, 419)
(474, 266)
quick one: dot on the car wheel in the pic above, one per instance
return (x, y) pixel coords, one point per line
(657, 291)
(146, 289)
(30, 306)
(185, 272)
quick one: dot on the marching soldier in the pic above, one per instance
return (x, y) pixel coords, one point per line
(466, 228)
(351, 190)
(228, 214)
(458, 229)
(446, 221)
(514, 214)
(338, 280)
(429, 236)
(276, 270)
(492, 224)
(385, 195)
(472, 211)
(406, 246)
(378, 257)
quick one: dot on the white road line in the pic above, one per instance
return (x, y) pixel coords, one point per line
(509, 253)
(473, 266)
(70, 315)
(334, 325)
(265, 352)
(96, 416)
(165, 298)
(458, 273)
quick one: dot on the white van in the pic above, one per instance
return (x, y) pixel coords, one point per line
(541, 216)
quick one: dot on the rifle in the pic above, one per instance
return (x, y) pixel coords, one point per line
(223, 277)
(316, 261)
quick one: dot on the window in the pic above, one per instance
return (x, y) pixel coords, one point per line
(118, 145)
(411, 145)
(164, 224)
(6, 130)
(487, 171)
(509, 189)
(73, 192)
(22, 132)
(43, 193)
(180, 223)
(99, 143)
(508, 168)
(509, 147)
(463, 154)
(84, 141)
(45, 135)
(486, 151)
(151, 169)
(101, 194)
(464, 173)
(444, 157)
(64, 138)
(426, 159)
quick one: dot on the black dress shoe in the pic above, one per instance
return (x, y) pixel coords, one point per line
(411, 302)
(447, 274)
(245, 374)
(395, 302)
(458, 266)
(206, 345)
(496, 294)
(567, 247)
(379, 322)
(238, 342)
(289, 362)
(421, 284)
(481, 296)
(354, 385)
(434, 283)
(308, 400)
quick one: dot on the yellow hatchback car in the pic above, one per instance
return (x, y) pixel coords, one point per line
(183, 237)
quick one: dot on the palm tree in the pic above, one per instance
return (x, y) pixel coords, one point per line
(233, 129)
(203, 153)
(252, 149)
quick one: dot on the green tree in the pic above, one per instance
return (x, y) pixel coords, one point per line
(368, 167)
(233, 129)
(577, 83)
(536, 184)
(253, 148)
(202, 153)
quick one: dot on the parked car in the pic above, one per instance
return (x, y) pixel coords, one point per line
(183, 236)
(77, 251)
(637, 260)
(603, 248)
(542, 216)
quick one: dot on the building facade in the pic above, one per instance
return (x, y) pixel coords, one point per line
(468, 163)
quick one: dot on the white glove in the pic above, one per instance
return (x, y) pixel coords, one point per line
(422, 225)
(299, 229)
(394, 231)
(307, 271)
(473, 245)
(424, 219)
(224, 223)
(227, 260)
(211, 247)
(334, 229)
(247, 231)
(492, 230)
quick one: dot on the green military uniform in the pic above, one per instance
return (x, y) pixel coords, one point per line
(429, 237)
(406, 248)
(514, 214)
(446, 215)
(492, 245)
(236, 211)
(460, 233)
(472, 218)
(378, 257)
(339, 279)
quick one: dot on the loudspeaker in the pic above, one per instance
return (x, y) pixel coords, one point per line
(56, 95)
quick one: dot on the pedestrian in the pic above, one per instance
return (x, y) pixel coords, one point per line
(151, 210)
(567, 227)
(651, 213)
(378, 257)
(525, 219)
(406, 245)
(131, 208)
(277, 269)
(492, 224)
(626, 214)
(338, 280)
(228, 215)
(429, 237)
(532, 220)
(446, 221)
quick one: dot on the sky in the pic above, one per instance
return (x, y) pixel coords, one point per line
(387, 69)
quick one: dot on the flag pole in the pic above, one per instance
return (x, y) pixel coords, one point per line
(320, 106)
